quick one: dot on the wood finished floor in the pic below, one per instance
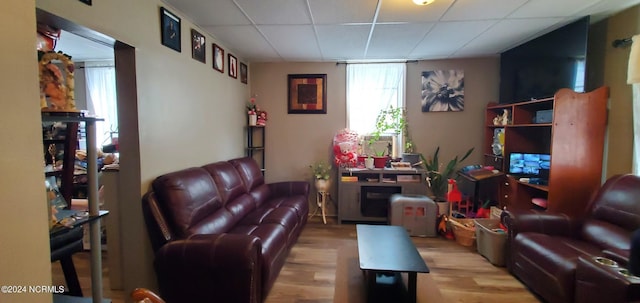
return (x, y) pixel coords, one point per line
(461, 274)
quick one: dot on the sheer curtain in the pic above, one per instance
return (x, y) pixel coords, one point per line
(370, 88)
(101, 100)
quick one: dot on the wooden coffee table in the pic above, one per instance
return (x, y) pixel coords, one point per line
(385, 252)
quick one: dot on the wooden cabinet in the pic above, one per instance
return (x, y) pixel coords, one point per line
(363, 194)
(256, 144)
(574, 138)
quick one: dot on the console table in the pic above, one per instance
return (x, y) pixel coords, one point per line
(363, 194)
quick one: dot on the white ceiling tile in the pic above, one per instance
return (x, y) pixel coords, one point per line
(447, 37)
(294, 42)
(395, 41)
(276, 11)
(82, 49)
(506, 34)
(342, 11)
(243, 40)
(406, 10)
(211, 13)
(342, 42)
(540, 8)
(481, 9)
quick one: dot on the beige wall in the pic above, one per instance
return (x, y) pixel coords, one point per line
(24, 240)
(297, 140)
(620, 132)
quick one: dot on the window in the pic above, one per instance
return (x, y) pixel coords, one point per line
(372, 87)
(101, 100)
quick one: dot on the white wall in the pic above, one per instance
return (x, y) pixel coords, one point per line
(24, 238)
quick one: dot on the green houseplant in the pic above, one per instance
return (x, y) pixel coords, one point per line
(438, 175)
(393, 119)
(321, 172)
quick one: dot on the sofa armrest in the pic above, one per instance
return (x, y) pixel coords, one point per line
(210, 268)
(289, 188)
(557, 224)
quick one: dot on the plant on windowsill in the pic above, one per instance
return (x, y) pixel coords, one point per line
(437, 177)
(394, 119)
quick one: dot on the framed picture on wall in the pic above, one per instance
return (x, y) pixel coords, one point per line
(87, 2)
(233, 66)
(198, 46)
(218, 58)
(307, 94)
(244, 77)
(170, 29)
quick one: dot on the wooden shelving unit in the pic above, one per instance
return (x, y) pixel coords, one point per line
(574, 139)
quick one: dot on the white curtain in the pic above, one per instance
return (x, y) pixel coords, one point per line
(370, 88)
(101, 100)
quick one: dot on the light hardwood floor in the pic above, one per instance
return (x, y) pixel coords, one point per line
(461, 274)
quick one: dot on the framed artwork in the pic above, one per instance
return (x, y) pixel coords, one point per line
(87, 2)
(170, 28)
(198, 46)
(244, 77)
(233, 66)
(307, 94)
(218, 58)
(443, 91)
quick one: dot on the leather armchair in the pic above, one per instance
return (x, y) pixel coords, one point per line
(553, 254)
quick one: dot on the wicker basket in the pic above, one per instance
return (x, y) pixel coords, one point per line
(464, 230)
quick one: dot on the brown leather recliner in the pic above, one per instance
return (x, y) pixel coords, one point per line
(554, 255)
(220, 233)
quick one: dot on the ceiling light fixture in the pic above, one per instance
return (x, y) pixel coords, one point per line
(423, 2)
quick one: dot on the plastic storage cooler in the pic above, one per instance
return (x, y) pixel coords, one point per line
(416, 213)
(491, 244)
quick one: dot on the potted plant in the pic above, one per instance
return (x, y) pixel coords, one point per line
(394, 119)
(438, 176)
(321, 172)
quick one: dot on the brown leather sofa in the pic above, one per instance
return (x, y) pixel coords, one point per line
(220, 233)
(554, 255)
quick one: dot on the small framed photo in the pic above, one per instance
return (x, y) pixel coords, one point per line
(307, 94)
(244, 77)
(218, 58)
(198, 46)
(233, 66)
(170, 28)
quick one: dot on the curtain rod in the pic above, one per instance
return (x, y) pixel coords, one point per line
(622, 42)
(376, 62)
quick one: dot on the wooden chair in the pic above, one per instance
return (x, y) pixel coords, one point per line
(143, 295)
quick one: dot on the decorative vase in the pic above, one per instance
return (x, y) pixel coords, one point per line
(253, 119)
(322, 185)
(368, 163)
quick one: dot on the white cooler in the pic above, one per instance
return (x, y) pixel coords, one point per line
(416, 213)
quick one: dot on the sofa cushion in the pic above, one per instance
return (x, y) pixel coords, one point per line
(249, 171)
(227, 179)
(187, 197)
(548, 263)
(606, 235)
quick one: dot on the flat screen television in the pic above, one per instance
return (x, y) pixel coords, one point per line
(538, 68)
(529, 165)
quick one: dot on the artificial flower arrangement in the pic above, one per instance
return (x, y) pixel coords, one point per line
(253, 109)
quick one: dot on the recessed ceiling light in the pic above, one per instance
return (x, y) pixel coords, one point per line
(423, 2)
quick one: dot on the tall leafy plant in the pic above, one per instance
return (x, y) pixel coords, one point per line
(438, 176)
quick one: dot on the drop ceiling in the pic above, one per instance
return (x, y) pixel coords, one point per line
(370, 30)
